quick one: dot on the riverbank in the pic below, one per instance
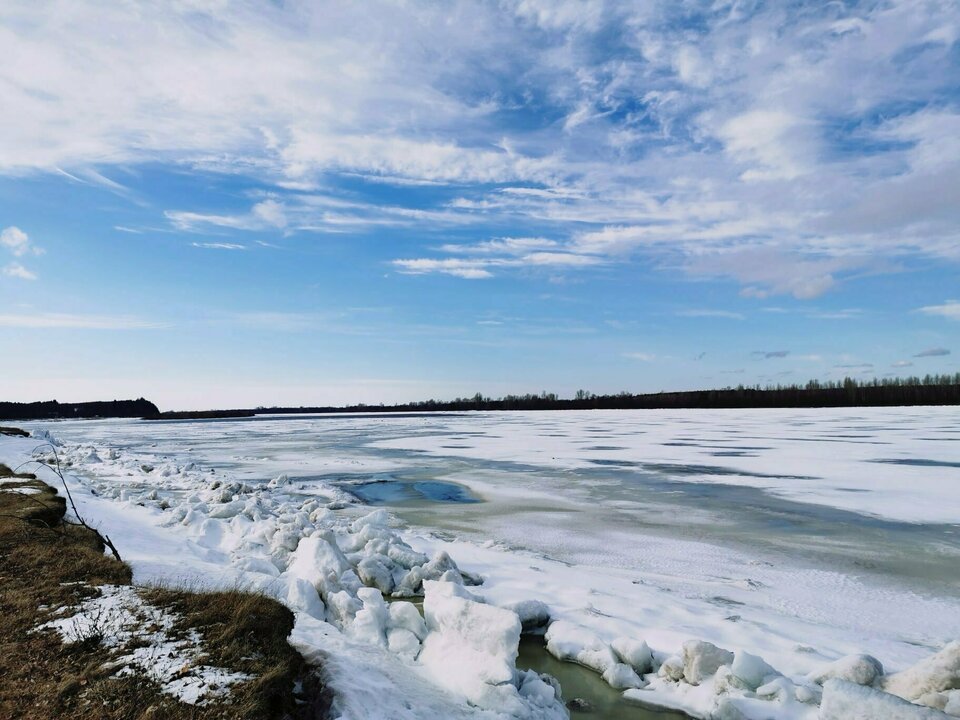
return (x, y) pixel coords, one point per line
(81, 641)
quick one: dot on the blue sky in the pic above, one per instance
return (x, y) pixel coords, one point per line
(217, 203)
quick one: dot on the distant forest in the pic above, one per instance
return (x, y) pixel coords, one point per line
(53, 410)
(928, 390)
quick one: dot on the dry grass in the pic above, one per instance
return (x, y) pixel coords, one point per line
(244, 631)
(45, 565)
(6, 472)
(29, 500)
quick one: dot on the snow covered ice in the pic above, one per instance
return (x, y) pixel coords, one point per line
(844, 700)
(731, 564)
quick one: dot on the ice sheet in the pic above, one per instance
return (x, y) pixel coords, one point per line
(640, 525)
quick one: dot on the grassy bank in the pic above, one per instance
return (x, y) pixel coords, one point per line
(51, 570)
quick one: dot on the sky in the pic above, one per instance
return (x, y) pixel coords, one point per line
(218, 203)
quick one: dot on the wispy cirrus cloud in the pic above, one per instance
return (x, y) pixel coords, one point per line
(499, 246)
(462, 268)
(842, 314)
(263, 215)
(477, 269)
(710, 313)
(313, 212)
(219, 246)
(76, 322)
(949, 310)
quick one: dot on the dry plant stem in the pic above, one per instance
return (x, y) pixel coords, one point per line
(105, 539)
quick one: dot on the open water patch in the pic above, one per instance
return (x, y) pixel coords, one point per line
(602, 702)
(397, 491)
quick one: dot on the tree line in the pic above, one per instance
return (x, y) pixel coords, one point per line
(927, 390)
(849, 392)
(53, 410)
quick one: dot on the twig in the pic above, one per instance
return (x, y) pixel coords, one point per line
(105, 539)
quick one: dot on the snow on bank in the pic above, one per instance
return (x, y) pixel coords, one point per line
(179, 523)
(142, 637)
(174, 519)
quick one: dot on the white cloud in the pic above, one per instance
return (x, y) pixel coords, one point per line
(690, 66)
(560, 14)
(844, 314)
(767, 140)
(507, 245)
(316, 212)
(391, 156)
(708, 313)
(643, 356)
(467, 269)
(560, 259)
(271, 212)
(17, 242)
(681, 136)
(16, 270)
(268, 214)
(949, 310)
(476, 268)
(767, 271)
(219, 246)
(190, 221)
(268, 87)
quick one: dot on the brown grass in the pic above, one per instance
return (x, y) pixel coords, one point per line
(6, 472)
(45, 565)
(45, 508)
(244, 631)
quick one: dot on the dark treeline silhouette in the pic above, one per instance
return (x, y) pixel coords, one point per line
(53, 410)
(928, 390)
(201, 414)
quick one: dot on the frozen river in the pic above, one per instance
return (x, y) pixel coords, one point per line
(802, 534)
(873, 492)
